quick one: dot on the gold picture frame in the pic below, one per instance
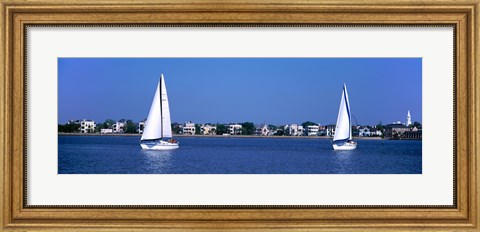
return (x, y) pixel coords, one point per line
(16, 15)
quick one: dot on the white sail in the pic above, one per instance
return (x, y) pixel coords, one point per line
(158, 123)
(153, 125)
(343, 129)
(166, 123)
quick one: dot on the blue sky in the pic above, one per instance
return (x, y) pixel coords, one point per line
(260, 90)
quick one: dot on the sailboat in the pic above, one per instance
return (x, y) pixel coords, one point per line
(157, 126)
(343, 130)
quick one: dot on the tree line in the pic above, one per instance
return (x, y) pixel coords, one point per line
(248, 128)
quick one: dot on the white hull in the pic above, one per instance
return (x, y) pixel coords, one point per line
(350, 145)
(159, 145)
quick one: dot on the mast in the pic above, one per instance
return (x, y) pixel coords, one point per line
(348, 110)
(161, 111)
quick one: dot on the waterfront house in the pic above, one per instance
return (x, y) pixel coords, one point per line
(330, 130)
(295, 130)
(141, 127)
(375, 132)
(262, 130)
(188, 128)
(208, 129)
(87, 126)
(395, 131)
(364, 131)
(322, 130)
(106, 131)
(312, 130)
(119, 126)
(235, 129)
(414, 133)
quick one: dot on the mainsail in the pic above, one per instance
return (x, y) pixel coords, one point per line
(158, 121)
(166, 123)
(343, 130)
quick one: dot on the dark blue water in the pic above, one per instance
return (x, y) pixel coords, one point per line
(123, 155)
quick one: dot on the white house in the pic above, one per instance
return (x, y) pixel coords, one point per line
(87, 126)
(262, 130)
(330, 130)
(106, 131)
(235, 129)
(141, 127)
(312, 130)
(208, 129)
(188, 128)
(118, 127)
(295, 130)
(364, 132)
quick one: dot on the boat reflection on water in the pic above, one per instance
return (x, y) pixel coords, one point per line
(157, 161)
(342, 161)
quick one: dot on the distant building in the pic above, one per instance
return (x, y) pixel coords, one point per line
(322, 130)
(208, 129)
(396, 131)
(409, 119)
(262, 130)
(295, 130)
(375, 132)
(106, 131)
(119, 126)
(330, 130)
(141, 127)
(312, 130)
(87, 126)
(414, 133)
(188, 128)
(364, 132)
(235, 129)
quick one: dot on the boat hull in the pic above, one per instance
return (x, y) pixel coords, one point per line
(343, 146)
(159, 145)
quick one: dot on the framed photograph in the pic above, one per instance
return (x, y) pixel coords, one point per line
(244, 115)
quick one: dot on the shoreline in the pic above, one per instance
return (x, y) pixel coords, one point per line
(224, 136)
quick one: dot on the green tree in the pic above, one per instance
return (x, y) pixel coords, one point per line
(130, 127)
(280, 131)
(108, 123)
(272, 127)
(308, 123)
(72, 128)
(99, 127)
(176, 128)
(221, 129)
(380, 127)
(355, 131)
(197, 129)
(69, 128)
(417, 125)
(248, 128)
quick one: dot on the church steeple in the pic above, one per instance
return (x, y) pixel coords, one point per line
(409, 119)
